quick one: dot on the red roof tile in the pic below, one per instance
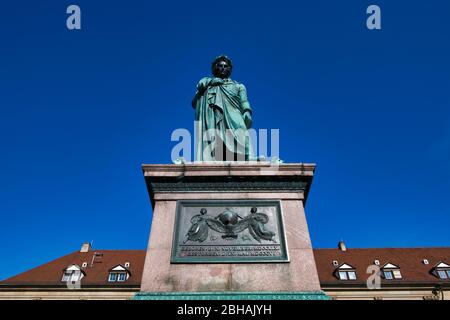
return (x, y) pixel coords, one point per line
(51, 273)
(408, 259)
(413, 270)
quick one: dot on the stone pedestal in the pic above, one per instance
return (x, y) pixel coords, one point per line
(287, 184)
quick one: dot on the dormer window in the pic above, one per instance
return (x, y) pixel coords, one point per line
(391, 272)
(346, 272)
(72, 274)
(122, 276)
(118, 274)
(442, 271)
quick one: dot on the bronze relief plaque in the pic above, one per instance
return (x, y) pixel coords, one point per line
(233, 231)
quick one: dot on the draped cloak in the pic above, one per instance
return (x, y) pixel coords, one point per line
(219, 115)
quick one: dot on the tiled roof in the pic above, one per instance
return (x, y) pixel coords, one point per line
(413, 270)
(50, 274)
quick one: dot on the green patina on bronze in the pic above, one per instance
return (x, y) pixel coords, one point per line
(223, 115)
(229, 231)
(231, 296)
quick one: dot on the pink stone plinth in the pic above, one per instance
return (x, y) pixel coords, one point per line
(299, 275)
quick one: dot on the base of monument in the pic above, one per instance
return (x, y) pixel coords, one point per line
(318, 295)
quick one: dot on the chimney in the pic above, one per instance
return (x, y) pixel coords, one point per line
(86, 247)
(341, 246)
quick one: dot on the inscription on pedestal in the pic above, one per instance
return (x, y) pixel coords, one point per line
(229, 231)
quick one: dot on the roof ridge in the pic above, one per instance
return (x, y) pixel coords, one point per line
(39, 266)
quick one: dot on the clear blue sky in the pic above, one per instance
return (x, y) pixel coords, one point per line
(80, 111)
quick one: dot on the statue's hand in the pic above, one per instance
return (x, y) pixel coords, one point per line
(248, 119)
(201, 87)
(201, 90)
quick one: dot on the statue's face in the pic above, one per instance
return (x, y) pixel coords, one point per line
(222, 70)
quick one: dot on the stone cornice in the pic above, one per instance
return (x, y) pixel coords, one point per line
(228, 168)
(228, 177)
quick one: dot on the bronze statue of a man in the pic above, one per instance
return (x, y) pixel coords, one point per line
(223, 115)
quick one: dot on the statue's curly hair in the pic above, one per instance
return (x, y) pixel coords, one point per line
(222, 57)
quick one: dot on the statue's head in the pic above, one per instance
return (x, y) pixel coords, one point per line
(221, 67)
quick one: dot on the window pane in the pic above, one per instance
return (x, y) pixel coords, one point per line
(122, 276)
(442, 274)
(448, 273)
(342, 275)
(352, 275)
(75, 276)
(388, 275)
(397, 274)
(66, 276)
(112, 277)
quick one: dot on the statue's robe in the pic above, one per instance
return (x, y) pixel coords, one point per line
(219, 115)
